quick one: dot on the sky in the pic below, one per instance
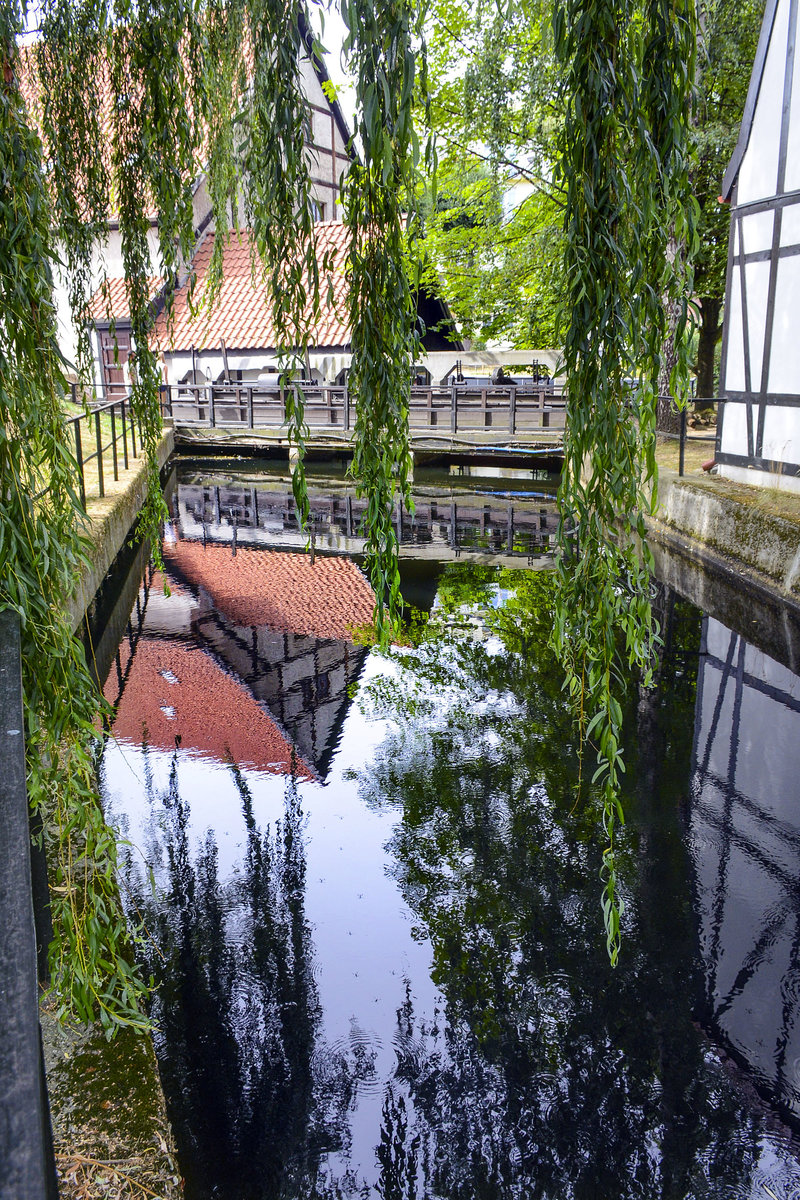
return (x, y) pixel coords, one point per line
(332, 38)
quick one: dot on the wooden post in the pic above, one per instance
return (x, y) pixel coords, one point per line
(512, 411)
(27, 1168)
(212, 419)
(346, 407)
(453, 409)
(250, 406)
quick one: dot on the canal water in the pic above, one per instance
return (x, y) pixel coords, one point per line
(369, 883)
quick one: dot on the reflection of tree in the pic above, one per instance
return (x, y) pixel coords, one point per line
(237, 1013)
(551, 1075)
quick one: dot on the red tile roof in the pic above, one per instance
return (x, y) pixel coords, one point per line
(242, 316)
(328, 599)
(174, 689)
(111, 299)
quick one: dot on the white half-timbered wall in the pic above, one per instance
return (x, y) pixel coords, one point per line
(759, 436)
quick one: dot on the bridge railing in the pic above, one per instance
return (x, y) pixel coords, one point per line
(449, 408)
(251, 405)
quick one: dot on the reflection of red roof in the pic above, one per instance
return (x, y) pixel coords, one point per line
(242, 316)
(174, 689)
(284, 591)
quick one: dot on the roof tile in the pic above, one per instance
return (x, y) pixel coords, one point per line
(328, 598)
(242, 316)
(167, 697)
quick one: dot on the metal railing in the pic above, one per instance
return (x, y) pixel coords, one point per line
(111, 428)
(467, 406)
(27, 1164)
(682, 435)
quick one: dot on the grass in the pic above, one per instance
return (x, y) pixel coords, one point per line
(91, 472)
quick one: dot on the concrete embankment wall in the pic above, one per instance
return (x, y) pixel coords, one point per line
(110, 522)
(733, 530)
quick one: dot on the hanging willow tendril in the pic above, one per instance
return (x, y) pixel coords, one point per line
(132, 101)
(41, 554)
(380, 203)
(624, 165)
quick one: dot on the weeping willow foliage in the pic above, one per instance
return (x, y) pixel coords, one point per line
(134, 98)
(624, 165)
(380, 192)
(41, 553)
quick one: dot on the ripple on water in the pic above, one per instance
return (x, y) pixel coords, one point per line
(778, 1181)
(410, 1055)
(548, 1094)
(361, 1054)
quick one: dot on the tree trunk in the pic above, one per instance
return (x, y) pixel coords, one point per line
(667, 420)
(710, 310)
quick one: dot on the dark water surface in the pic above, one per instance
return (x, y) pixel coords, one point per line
(375, 923)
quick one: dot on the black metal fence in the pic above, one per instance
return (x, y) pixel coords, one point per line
(27, 1165)
(111, 429)
(682, 434)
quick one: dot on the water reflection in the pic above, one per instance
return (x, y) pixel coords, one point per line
(236, 1007)
(375, 926)
(548, 1074)
(260, 511)
(745, 831)
(267, 637)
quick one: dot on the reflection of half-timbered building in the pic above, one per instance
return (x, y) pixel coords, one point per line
(745, 846)
(759, 437)
(285, 626)
(268, 641)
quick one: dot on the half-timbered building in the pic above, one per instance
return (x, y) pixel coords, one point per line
(759, 433)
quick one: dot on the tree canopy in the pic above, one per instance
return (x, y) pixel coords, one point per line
(496, 87)
(494, 222)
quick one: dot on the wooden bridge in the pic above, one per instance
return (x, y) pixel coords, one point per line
(472, 416)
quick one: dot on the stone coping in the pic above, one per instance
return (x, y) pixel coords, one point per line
(749, 531)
